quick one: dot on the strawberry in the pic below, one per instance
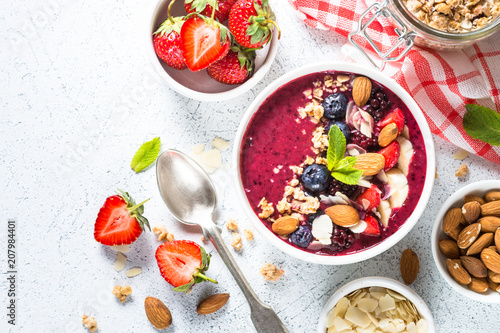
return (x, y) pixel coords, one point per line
(204, 7)
(391, 155)
(235, 68)
(252, 23)
(396, 116)
(120, 220)
(203, 42)
(372, 226)
(182, 264)
(372, 195)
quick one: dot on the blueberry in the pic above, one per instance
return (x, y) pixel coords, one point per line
(346, 130)
(302, 236)
(315, 178)
(335, 105)
(313, 217)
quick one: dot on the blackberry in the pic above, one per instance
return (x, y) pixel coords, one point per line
(338, 186)
(362, 140)
(378, 104)
(342, 239)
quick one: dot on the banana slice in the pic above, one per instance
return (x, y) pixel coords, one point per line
(405, 154)
(384, 209)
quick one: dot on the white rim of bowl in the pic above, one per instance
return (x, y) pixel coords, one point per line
(377, 281)
(201, 96)
(480, 187)
(419, 208)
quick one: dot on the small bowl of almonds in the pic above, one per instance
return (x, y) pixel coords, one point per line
(466, 241)
(376, 304)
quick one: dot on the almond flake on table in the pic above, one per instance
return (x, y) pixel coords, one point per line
(198, 149)
(462, 171)
(271, 272)
(89, 323)
(121, 248)
(210, 160)
(120, 262)
(122, 292)
(220, 144)
(133, 272)
(460, 154)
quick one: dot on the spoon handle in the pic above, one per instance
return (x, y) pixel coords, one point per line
(263, 316)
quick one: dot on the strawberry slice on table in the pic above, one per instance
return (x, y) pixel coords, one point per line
(391, 155)
(252, 23)
(203, 41)
(120, 220)
(372, 226)
(182, 264)
(235, 68)
(396, 116)
(369, 198)
(205, 7)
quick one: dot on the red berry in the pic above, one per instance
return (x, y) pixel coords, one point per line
(391, 155)
(396, 117)
(372, 226)
(369, 198)
(234, 68)
(201, 6)
(167, 43)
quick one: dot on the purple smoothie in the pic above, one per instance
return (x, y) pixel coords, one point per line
(276, 138)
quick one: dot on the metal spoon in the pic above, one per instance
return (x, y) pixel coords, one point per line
(190, 195)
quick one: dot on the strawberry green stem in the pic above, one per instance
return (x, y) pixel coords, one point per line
(133, 208)
(205, 277)
(168, 11)
(277, 28)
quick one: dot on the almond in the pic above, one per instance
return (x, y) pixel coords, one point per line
(212, 303)
(497, 240)
(491, 208)
(489, 223)
(474, 266)
(449, 248)
(158, 313)
(452, 219)
(361, 90)
(457, 272)
(478, 285)
(468, 235)
(471, 211)
(492, 248)
(480, 244)
(343, 215)
(456, 232)
(285, 225)
(492, 196)
(409, 266)
(471, 197)
(491, 259)
(370, 163)
(493, 285)
(388, 134)
(495, 277)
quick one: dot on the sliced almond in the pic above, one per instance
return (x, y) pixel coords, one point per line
(343, 215)
(480, 244)
(479, 285)
(491, 259)
(489, 223)
(449, 248)
(452, 219)
(120, 262)
(388, 134)
(468, 235)
(457, 272)
(220, 144)
(492, 196)
(470, 197)
(121, 248)
(370, 163)
(285, 225)
(491, 208)
(460, 154)
(471, 211)
(474, 266)
(361, 90)
(212, 303)
(409, 266)
(133, 272)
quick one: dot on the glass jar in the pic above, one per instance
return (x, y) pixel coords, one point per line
(411, 31)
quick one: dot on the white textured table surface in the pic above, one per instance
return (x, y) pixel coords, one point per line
(77, 99)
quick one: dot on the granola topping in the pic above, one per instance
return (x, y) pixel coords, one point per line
(163, 234)
(122, 292)
(271, 272)
(89, 323)
(248, 234)
(236, 241)
(267, 208)
(231, 224)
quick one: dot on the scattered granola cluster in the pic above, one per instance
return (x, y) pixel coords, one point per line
(122, 292)
(462, 171)
(163, 234)
(248, 234)
(89, 323)
(454, 15)
(231, 225)
(271, 272)
(236, 243)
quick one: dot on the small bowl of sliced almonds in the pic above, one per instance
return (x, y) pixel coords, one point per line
(466, 241)
(375, 304)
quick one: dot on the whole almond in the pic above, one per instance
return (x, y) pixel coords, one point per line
(457, 272)
(491, 259)
(409, 266)
(480, 244)
(449, 248)
(343, 215)
(452, 219)
(479, 285)
(285, 225)
(489, 223)
(491, 208)
(158, 313)
(370, 163)
(495, 277)
(453, 234)
(468, 235)
(471, 197)
(493, 285)
(361, 90)
(492, 248)
(497, 240)
(471, 211)
(212, 303)
(388, 134)
(474, 266)
(492, 196)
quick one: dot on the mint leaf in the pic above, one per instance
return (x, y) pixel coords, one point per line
(346, 164)
(336, 147)
(146, 155)
(482, 123)
(349, 177)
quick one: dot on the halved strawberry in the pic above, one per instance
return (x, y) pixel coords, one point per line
(396, 116)
(391, 155)
(182, 264)
(203, 42)
(120, 220)
(235, 68)
(205, 7)
(370, 198)
(372, 226)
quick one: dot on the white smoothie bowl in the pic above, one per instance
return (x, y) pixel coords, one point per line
(386, 243)
(199, 85)
(377, 282)
(457, 200)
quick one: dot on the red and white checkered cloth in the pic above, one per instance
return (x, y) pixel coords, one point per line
(440, 82)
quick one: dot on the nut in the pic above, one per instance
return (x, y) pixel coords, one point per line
(370, 163)
(489, 223)
(492, 248)
(449, 248)
(456, 232)
(480, 244)
(457, 272)
(493, 285)
(471, 211)
(361, 90)
(495, 277)
(497, 240)
(470, 197)
(158, 313)
(285, 225)
(492, 196)
(491, 208)
(212, 303)
(468, 235)
(388, 134)
(491, 259)
(474, 266)
(452, 220)
(409, 266)
(343, 215)
(478, 285)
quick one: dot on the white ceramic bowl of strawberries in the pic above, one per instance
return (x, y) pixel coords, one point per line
(457, 200)
(199, 84)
